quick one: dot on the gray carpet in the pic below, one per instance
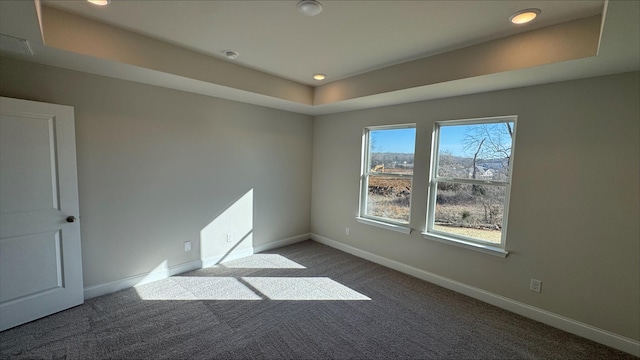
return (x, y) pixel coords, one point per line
(304, 301)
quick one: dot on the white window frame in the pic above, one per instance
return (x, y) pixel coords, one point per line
(434, 179)
(366, 173)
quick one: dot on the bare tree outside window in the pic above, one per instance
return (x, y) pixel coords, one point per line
(470, 184)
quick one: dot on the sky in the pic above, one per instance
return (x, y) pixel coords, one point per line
(394, 141)
(403, 140)
(451, 139)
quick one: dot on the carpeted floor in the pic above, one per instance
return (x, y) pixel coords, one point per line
(304, 301)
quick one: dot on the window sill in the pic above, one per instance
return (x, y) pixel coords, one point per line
(384, 225)
(487, 249)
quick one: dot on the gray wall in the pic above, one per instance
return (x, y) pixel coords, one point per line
(574, 209)
(157, 166)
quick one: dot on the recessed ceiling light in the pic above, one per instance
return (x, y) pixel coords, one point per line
(319, 76)
(524, 16)
(100, 2)
(309, 7)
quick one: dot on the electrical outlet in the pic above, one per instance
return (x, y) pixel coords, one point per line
(187, 246)
(536, 285)
(346, 231)
(229, 237)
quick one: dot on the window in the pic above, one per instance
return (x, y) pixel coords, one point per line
(470, 182)
(387, 176)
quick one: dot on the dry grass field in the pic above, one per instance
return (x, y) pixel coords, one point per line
(492, 236)
(390, 198)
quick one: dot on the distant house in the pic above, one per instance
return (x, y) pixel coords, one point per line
(481, 173)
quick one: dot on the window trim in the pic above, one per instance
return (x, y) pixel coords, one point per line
(484, 248)
(404, 228)
(365, 173)
(461, 240)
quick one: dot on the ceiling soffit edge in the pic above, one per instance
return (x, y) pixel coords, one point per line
(558, 43)
(69, 32)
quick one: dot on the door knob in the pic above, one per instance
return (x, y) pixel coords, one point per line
(71, 219)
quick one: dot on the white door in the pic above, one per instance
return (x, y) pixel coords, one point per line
(40, 257)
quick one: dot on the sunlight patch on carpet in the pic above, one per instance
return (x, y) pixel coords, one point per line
(196, 288)
(262, 261)
(247, 288)
(303, 288)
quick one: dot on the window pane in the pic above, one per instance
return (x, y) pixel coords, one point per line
(391, 150)
(476, 151)
(474, 211)
(389, 198)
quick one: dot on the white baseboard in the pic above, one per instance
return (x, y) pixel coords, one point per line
(280, 243)
(108, 288)
(558, 321)
(236, 254)
(155, 275)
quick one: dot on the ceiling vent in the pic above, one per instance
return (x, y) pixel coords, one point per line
(14, 45)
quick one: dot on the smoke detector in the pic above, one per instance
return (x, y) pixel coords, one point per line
(309, 7)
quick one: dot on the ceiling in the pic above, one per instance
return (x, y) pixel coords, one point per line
(347, 38)
(374, 53)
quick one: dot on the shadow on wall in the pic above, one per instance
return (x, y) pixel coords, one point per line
(227, 237)
(230, 235)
